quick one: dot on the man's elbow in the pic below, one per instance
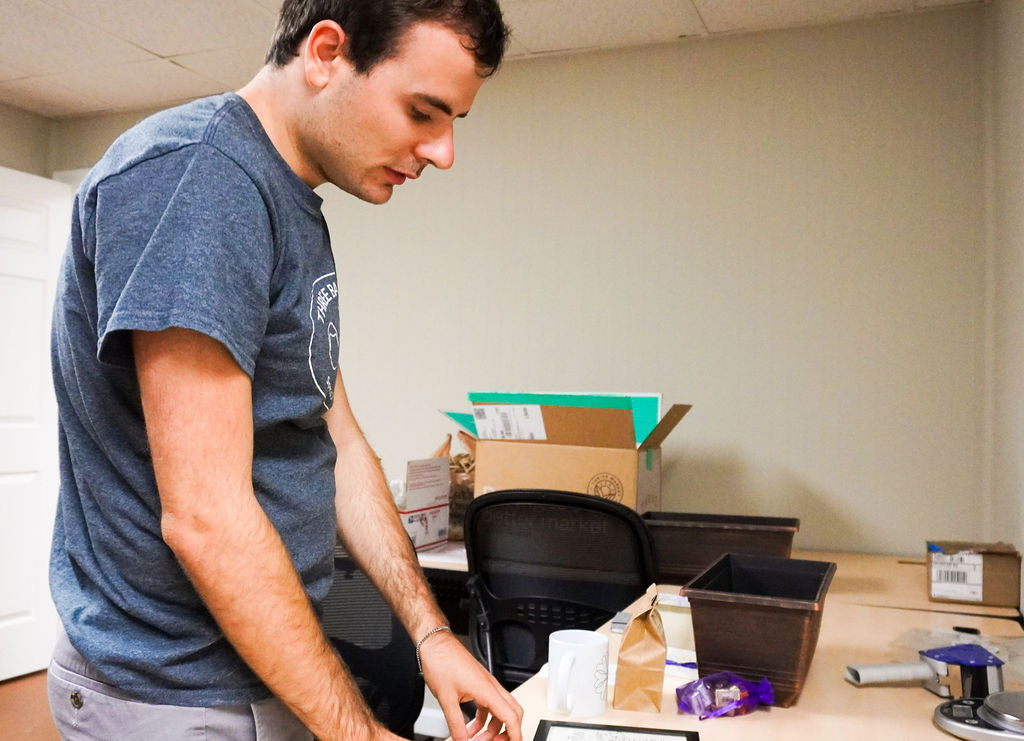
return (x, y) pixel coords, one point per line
(191, 536)
(209, 531)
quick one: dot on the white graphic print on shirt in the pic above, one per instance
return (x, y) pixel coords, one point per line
(323, 340)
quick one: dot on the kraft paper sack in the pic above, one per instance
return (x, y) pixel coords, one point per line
(641, 663)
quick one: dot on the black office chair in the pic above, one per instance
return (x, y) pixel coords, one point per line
(373, 643)
(541, 561)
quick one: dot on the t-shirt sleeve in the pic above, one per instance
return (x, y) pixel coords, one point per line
(183, 240)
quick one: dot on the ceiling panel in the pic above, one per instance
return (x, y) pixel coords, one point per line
(232, 67)
(61, 53)
(30, 28)
(729, 16)
(47, 98)
(178, 27)
(11, 70)
(544, 26)
(515, 48)
(140, 85)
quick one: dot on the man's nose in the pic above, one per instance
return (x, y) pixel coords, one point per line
(439, 151)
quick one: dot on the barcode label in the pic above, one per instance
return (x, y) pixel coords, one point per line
(509, 422)
(957, 576)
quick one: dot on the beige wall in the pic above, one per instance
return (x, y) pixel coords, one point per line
(24, 141)
(1008, 269)
(80, 142)
(790, 231)
(42, 146)
(785, 230)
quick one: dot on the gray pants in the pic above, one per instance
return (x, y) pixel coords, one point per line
(87, 708)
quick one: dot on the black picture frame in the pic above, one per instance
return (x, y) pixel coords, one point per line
(640, 734)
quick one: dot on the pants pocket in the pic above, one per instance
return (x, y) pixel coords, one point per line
(85, 709)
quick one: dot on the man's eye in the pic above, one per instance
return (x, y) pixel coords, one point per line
(419, 116)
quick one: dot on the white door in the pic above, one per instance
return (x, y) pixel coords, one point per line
(35, 217)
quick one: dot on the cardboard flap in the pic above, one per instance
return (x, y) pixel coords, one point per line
(646, 407)
(668, 423)
(970, 546)
(592, 427)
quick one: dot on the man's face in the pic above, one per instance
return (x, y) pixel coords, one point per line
(371, 132)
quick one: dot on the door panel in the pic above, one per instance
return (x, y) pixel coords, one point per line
(35, 215)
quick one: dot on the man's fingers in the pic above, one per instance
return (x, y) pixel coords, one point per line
(511, 721)
(456, 723)
(511, 715)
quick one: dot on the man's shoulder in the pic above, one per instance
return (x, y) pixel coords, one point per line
(172, 132)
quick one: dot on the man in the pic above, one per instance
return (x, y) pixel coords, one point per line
(209, 457)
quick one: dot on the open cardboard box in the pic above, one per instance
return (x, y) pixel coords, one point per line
(571, 448)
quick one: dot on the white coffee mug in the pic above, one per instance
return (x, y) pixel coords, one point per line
(578, 673)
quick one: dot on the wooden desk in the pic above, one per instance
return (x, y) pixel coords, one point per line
(829, 707)
(860, 579)
(449, 557)
(890, 581)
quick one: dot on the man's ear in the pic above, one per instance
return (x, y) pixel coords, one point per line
(325, 49)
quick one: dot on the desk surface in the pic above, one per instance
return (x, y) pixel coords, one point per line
(829, 707)
(890, 581)
(448, 557)
(860, 579)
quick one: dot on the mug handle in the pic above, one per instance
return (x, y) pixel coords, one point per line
(560, 679)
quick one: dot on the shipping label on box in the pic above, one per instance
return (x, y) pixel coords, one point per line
(509, 422)
(978, 573)
(424, 510)
(957, 576)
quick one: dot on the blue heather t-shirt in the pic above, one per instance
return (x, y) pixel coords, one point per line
(192, 219)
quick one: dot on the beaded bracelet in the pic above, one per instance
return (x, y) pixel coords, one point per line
(420, 642)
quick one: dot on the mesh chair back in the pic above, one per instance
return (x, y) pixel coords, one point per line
(374, 645)
(541, 561)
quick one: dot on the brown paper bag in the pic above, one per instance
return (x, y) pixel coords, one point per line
(641, 663)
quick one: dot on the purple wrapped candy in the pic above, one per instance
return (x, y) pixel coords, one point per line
(723, 694)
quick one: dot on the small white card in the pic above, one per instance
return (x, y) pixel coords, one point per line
(427, 482)
(424, 512)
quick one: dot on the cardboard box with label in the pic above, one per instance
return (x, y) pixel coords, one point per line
(597, 445)
(974, 573)
(424, 504)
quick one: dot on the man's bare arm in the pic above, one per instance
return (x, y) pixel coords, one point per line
(198, 408)
(369, 526)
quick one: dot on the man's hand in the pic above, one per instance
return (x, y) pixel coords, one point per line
(454, 676)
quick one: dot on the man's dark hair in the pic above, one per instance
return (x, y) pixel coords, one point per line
(374, 27)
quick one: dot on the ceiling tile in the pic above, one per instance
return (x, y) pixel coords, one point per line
(140, 85)
(46, 97)
(11, 71)
(179, 27)
(44, 40)
(231, 67)
(515, 49)
(67, 57)
(549, 25)
(743, 15)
